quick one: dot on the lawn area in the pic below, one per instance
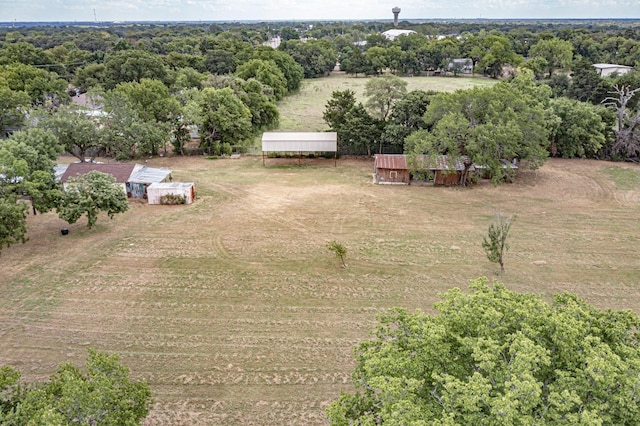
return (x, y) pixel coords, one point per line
(235, 312)
(302, 112)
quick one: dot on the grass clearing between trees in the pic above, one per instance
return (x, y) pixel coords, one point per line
(302, 111)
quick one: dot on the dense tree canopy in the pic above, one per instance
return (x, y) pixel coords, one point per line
(26, 170)
(581, 131)
(225, 119)
(76, 131)
(507, 121)
(497, 357)
(102, 394)
(555, 52)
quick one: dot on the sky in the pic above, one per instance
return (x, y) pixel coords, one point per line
(268, 10)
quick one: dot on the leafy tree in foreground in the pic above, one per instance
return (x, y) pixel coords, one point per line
(495, 243)
(103, 395)
(497, 357)
(92, 193)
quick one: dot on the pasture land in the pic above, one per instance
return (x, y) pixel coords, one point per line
(302, 112)
(235, 312)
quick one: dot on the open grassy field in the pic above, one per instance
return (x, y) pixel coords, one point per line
(235, 312)
(302, 112)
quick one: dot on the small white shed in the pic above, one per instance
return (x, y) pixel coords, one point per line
(168, 192)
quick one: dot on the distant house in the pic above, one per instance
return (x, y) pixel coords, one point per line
(132, 178)
(605, 70)
(391, 169)
(394, 34)
(461, 66)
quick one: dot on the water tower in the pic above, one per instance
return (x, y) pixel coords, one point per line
(396, 12)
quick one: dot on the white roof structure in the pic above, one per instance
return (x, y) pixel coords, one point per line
(393, 34)
(299, 142)
(608, 69)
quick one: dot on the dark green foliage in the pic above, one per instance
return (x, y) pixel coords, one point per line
(358, 132)
(497, 357)
(317, 57)
(13, 221)
(267, 73)
(581, 131)
(509, 120)
(224, 119)
(76, 131)
(132, 65)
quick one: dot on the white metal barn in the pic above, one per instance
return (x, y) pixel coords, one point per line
(157, 190)
(299, 142)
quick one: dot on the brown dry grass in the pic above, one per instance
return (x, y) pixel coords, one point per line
(235, 312)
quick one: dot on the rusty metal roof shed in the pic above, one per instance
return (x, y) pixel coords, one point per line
(391, 161)
(442, 162)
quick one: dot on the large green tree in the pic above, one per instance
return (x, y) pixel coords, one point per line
(358, 132)
(556, 53)
(266, 72)
(101, 394)
(13, 107)
(77, 132)
(382, 93)
(224, 119)
(581, 131)
(497, 357)
(132, 65)
(90, 194)
(26, 170)
(507, 121)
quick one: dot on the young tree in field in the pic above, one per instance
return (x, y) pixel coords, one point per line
(382, 93)
(495, 243)
(339, 250)
(102, 394)
(497, 357)
(90, 194)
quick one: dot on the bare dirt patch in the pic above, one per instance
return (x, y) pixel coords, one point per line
(234, 311)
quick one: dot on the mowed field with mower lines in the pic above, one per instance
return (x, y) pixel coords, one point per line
(234, 311)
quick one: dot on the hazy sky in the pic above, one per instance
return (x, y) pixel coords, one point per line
(232, 10)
